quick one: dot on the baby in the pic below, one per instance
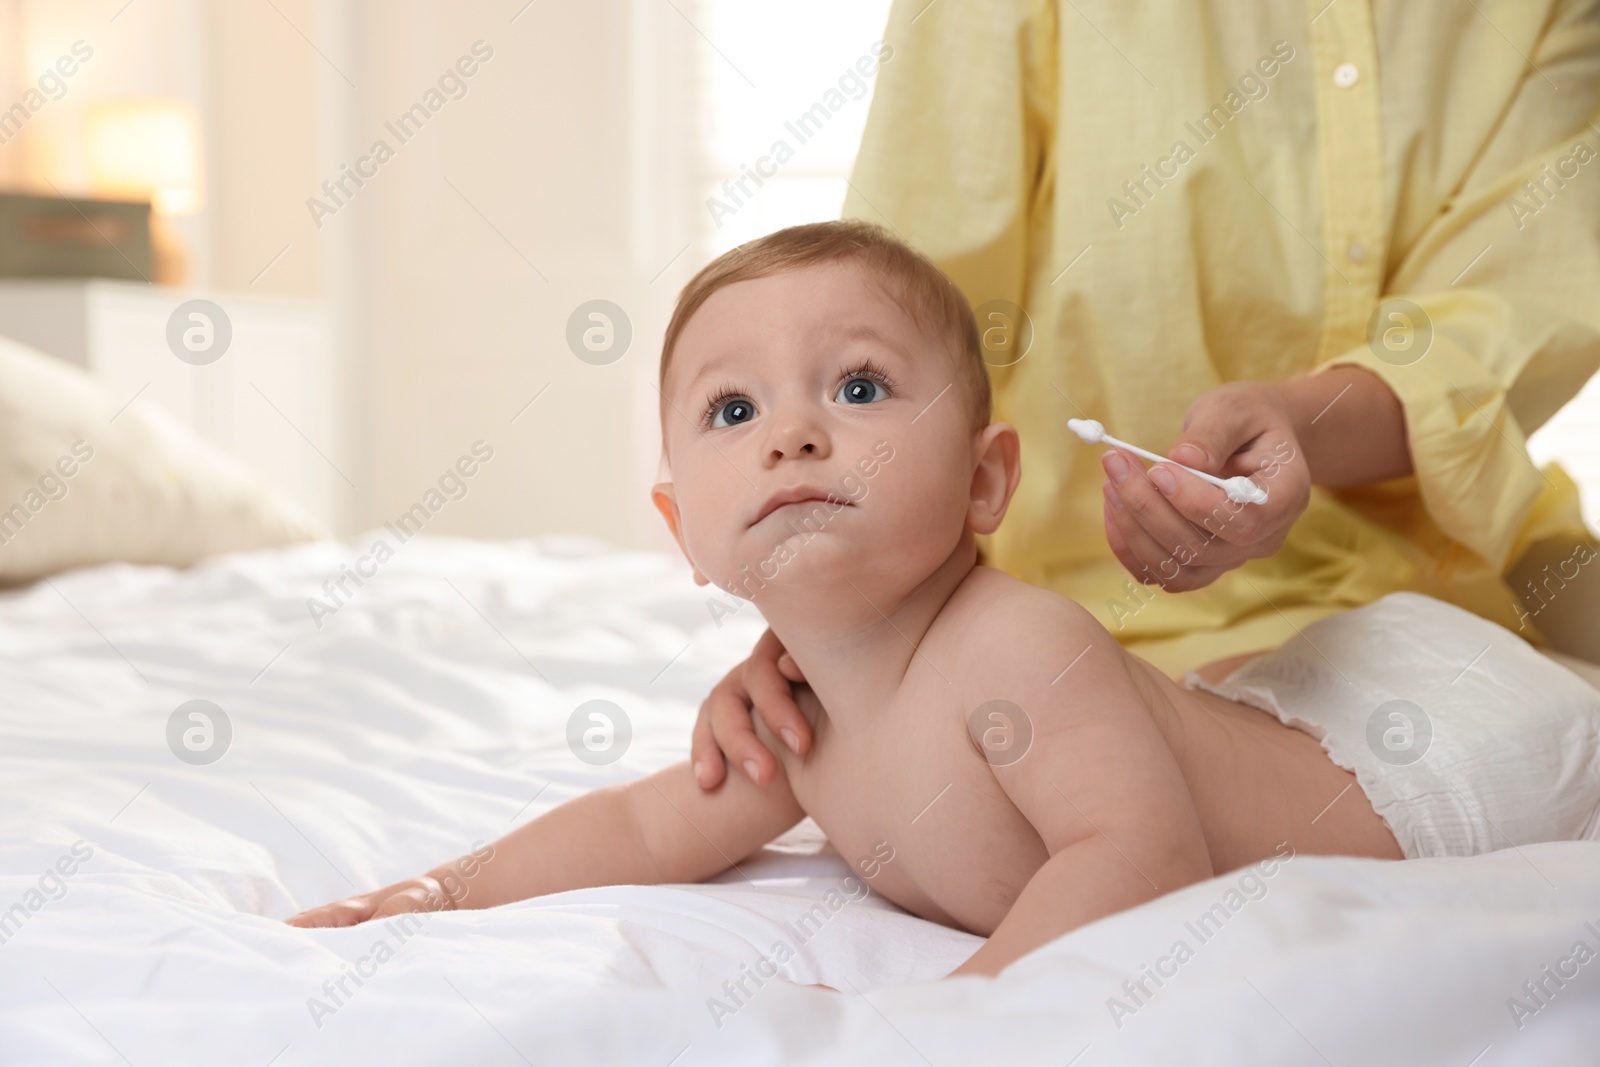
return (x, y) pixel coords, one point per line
(826, 416)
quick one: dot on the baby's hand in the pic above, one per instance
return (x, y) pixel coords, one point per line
(415, 894)
(764, 683)
(441, 889)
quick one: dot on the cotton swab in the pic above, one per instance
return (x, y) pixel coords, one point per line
(1239, 489)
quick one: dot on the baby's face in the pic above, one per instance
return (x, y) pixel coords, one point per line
(814, 383)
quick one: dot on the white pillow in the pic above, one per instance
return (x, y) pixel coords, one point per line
(77, 488)
(1589, 672)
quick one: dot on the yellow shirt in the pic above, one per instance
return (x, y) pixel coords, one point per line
(1181, 195)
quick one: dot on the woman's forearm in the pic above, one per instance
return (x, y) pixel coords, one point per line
(1351, 426)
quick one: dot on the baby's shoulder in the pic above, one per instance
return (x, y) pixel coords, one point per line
(998, 623)
(1027, 663)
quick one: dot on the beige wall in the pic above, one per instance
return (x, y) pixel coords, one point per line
(539, 190)
(260, 93)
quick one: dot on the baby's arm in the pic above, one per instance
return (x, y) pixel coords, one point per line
(1099, 783)
(660, 829)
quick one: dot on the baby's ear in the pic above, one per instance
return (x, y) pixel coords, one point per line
(665, 498)
(998, 468)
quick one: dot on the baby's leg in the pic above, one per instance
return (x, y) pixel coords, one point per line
(1217, 670)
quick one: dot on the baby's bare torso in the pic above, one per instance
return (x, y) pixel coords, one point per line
(912, 803)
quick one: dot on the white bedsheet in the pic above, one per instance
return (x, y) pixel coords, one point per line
(430, 711)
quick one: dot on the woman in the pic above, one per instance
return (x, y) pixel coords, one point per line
(1352, 251)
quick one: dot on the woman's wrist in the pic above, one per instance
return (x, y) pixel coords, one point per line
(1350, 426)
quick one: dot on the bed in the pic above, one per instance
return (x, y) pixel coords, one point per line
(372, 734)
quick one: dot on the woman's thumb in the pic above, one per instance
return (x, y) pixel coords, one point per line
(1213, 431)
(1191, 453)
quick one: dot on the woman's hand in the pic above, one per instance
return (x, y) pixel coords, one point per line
(426, 893)
(724, 725)
(1172, 529)
(1340, 425)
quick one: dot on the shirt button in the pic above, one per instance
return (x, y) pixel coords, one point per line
(1357, 252)
(1345, 75)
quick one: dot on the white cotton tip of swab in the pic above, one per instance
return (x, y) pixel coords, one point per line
(1088, 431)
(1242, 490)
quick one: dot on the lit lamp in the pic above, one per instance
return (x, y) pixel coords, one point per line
(148, 149)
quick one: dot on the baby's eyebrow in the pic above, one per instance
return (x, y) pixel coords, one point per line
(862, 331)
(705, 371)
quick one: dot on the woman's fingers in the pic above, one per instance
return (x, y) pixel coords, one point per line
(1201, 504)
(1153, 529)
(1147, 561)
(1168, 526)
(1144, 505)
(1241, 428)
(1252, 529)
(1220, 422)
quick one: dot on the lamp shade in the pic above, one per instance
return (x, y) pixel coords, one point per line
(145, 149)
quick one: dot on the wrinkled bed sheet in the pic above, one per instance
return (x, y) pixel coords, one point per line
(140, 894)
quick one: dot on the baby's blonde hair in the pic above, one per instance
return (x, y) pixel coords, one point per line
(920, 288)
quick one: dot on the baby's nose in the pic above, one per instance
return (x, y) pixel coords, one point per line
(797, 436)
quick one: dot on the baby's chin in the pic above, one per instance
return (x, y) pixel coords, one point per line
(786, 558)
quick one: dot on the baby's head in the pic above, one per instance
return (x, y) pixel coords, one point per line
(833, 363)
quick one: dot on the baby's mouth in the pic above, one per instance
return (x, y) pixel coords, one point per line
(799, 495)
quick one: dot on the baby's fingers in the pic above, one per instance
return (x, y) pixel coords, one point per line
(735, 734)
(339, 913)
(703, 751)
(790, 669)
(423, 895)
(772, 696)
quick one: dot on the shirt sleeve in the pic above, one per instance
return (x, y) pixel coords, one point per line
(1491, 319)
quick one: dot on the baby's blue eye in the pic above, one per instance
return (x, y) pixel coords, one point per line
(733, 413)
(860, 391)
